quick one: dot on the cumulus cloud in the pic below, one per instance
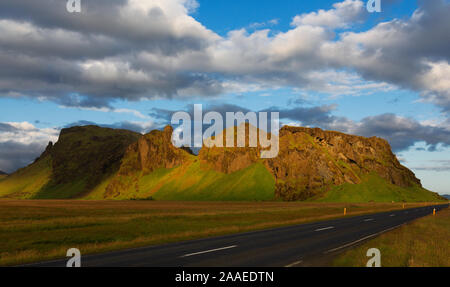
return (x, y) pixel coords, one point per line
(154, 48)
(412, 53)
(343, 14)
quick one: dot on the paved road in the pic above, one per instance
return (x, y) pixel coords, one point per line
(285, 246)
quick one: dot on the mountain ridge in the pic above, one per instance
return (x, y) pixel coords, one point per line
(91, 162)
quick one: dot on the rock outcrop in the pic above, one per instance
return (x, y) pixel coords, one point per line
(230, 159)
(310, 160)
(87, 153)
(115, 164)
(151, 151)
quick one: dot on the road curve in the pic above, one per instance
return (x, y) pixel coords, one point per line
(284, 246)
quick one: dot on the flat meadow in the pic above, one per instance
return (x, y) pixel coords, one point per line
(35, 230)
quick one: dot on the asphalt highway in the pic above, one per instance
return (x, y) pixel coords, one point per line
(285, 246)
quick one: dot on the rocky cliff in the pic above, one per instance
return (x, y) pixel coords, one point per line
(310, 160)
(152, 151)
(100, 163)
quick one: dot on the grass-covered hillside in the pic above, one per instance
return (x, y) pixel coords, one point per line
(373, 188)
(91, 162)
(195, 182)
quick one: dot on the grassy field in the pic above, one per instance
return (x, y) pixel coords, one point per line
(33, 230)
(376, 189)
(422, 243)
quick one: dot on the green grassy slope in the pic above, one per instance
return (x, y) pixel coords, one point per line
(195, 182)
(252, 183)
(373, 188)
(26, 182)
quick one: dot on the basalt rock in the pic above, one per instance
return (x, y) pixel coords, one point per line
(310, 160)
(152, 151)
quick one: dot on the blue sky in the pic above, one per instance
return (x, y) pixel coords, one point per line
(293, 56)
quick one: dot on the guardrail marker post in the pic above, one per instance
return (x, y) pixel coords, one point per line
(434, 211)
(345, 210)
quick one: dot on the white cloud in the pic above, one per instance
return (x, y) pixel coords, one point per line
(154, 48)
(25, 133)
(342, 15)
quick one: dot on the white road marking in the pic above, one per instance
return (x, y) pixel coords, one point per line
(361, 239)
(392, 215)
(368, 219)
(294, 263)
(207, 251)
(325, 228)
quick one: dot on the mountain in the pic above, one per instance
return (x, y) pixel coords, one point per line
(81, 159)
(98, 163)
(446, 196)
(3, 174)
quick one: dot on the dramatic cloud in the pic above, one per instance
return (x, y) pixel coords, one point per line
(412, 53)
(145, 49)
(153, 48)
(403, 132)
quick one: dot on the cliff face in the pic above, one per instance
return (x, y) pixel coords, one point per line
(153, 150)
(87, 153)
(310, 160)
(105, 163)
(230, 159)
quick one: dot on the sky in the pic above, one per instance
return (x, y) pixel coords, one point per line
(132, 63)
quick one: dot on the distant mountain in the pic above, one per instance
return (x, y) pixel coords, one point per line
(446, 196)
(3, 175)
(98, 163)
